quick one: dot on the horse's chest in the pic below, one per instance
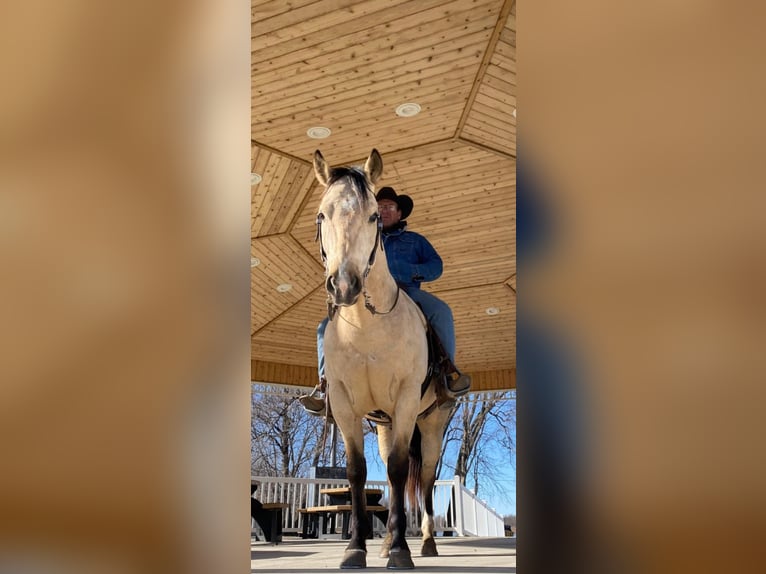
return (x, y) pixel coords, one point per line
(363, 356)
(359, 355)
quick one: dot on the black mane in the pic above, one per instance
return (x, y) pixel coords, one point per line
(357, 177)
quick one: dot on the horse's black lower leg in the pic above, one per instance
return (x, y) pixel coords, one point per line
(355, 555)
(399, 552)
(427, 526)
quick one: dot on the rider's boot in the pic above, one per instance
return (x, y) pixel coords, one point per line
(314, 403)
(458, 383)
(454, 384)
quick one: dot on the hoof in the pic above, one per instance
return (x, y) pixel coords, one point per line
(356, 558)
(399, 560)
(429, 548)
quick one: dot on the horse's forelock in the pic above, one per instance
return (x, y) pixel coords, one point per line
(357, 179)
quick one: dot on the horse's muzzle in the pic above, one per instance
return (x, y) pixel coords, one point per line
(344, 287)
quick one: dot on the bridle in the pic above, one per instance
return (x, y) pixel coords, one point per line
(331, 307)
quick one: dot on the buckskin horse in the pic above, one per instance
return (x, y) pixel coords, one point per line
(376, 361)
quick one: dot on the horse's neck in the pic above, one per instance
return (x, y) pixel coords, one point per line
(381, 288)
(380, 278)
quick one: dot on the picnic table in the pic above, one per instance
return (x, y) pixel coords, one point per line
(340, 505)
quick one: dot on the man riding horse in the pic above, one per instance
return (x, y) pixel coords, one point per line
(411, 260)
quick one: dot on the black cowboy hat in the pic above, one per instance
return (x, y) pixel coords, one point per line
(403, 201)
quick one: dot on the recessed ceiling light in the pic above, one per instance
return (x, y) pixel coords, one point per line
(284, 287)
(514, 112)
(408, 110)
(318, 132)
(492, 311)
(255, 178)
(254, 262)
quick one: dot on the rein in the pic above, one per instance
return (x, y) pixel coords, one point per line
(371, 308)
(332, 309)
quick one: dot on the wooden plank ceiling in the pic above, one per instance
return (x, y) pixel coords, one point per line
(346, 65)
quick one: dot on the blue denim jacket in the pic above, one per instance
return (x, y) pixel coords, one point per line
(411, 258)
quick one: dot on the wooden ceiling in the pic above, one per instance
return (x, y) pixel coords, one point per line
(346, 65)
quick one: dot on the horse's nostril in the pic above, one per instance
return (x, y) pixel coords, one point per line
(330, 284)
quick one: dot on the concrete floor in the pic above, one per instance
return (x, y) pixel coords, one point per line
(469, 555)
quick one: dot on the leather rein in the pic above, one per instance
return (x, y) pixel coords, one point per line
(331, 307)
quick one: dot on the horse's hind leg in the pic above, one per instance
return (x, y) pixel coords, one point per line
(431, 431)
(427, 524)
(384, 447)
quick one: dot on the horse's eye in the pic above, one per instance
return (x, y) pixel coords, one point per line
(373, 218)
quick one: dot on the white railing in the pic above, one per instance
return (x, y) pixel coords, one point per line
(473, 517)
(456, 509)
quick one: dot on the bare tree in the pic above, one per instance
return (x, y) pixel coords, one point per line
(479, 437)
(284, 439)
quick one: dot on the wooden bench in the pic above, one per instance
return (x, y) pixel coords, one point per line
(328, 514)
(274, 510)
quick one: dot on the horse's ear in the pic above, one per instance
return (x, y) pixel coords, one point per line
(321, 169)
(374, 166)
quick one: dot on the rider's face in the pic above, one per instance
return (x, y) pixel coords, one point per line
(389, 212)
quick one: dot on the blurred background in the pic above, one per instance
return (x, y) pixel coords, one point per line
(640, 274)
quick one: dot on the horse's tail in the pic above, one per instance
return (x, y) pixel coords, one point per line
(416, 466)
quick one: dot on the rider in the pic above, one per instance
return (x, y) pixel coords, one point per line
(411, 260)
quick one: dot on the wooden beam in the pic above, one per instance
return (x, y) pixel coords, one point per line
(504, 12)
(302, 376)
(255, 143)
(500, 380)
(280, 373)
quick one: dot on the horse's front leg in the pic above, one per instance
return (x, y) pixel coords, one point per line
(398, 462)
(355, 555)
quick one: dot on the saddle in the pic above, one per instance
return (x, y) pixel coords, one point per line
(439, 368)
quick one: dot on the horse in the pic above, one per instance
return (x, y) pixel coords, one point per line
(376, 359)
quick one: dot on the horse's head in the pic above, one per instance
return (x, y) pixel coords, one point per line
(348, 225)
